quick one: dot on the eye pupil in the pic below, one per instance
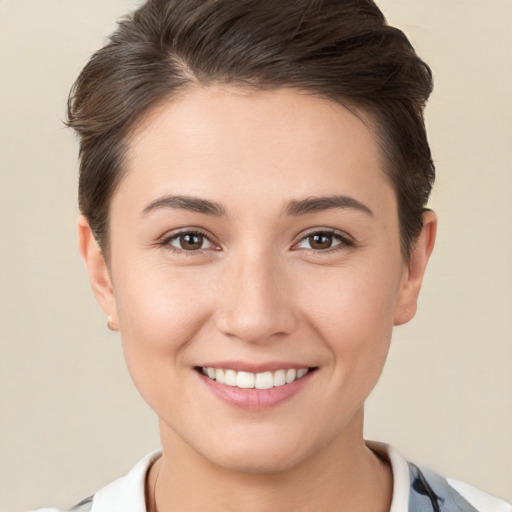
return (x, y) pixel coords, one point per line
(320, 241)
(191, 241)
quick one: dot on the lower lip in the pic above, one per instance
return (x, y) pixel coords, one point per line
(256, 399)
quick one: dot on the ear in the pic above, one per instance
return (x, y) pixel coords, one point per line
(99, 275)
(413, 277)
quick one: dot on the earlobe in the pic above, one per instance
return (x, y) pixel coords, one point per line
(420, 254)
(97, 269)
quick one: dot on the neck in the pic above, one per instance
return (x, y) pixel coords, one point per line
(343, 475)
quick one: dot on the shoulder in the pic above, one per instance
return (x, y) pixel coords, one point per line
(83, 506)
(430, 491)
(126, 494)
(418, 489)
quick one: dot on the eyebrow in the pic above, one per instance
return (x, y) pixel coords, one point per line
(189, 203)
(318, 204)
(294, 208)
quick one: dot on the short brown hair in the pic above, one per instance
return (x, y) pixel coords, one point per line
(342, 50)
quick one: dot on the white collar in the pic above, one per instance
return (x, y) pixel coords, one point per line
(127, 493)
(401, 475)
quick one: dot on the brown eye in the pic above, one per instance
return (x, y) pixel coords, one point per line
(324, 240)
(189, 241)
(320, 240)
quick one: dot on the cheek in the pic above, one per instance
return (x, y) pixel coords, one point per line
(353, 313)
(160, 311)
(158, 303)
(358, 298)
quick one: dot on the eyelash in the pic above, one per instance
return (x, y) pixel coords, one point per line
(166, 241)
(343, 239)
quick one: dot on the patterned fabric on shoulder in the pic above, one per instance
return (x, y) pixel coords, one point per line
(84, 506)
(431, 492)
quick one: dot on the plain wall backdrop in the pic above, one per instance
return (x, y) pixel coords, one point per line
(70, 418)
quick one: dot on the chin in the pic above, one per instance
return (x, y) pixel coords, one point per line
(265, 456)
(262, 462)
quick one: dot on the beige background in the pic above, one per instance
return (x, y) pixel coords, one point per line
(70, 419)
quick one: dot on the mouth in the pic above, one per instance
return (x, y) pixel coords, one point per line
(261, 380)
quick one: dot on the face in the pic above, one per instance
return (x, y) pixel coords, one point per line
(255, 239)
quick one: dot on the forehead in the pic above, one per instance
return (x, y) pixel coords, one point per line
(226, 139)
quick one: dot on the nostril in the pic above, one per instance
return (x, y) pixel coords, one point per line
(256, 325)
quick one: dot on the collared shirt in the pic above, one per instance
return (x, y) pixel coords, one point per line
(414, 490)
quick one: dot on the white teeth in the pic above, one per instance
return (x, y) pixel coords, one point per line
(248, 380)
(291, 375)
(230, 378)
(279, 378)
(264, 380)
(245, 380)
(301, 373)
(219, 375)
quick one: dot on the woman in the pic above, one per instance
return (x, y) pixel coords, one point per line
(253, 184)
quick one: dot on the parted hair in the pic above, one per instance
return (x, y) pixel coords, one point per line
(340, 50)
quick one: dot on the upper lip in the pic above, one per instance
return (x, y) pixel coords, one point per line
(242, 366)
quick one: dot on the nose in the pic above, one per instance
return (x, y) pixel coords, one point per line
(256, 302)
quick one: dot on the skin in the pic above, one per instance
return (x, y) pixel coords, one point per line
(258, 290)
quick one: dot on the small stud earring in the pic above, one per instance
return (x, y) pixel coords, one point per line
(111, 324)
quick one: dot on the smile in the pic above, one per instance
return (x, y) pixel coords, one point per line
(248, 380)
